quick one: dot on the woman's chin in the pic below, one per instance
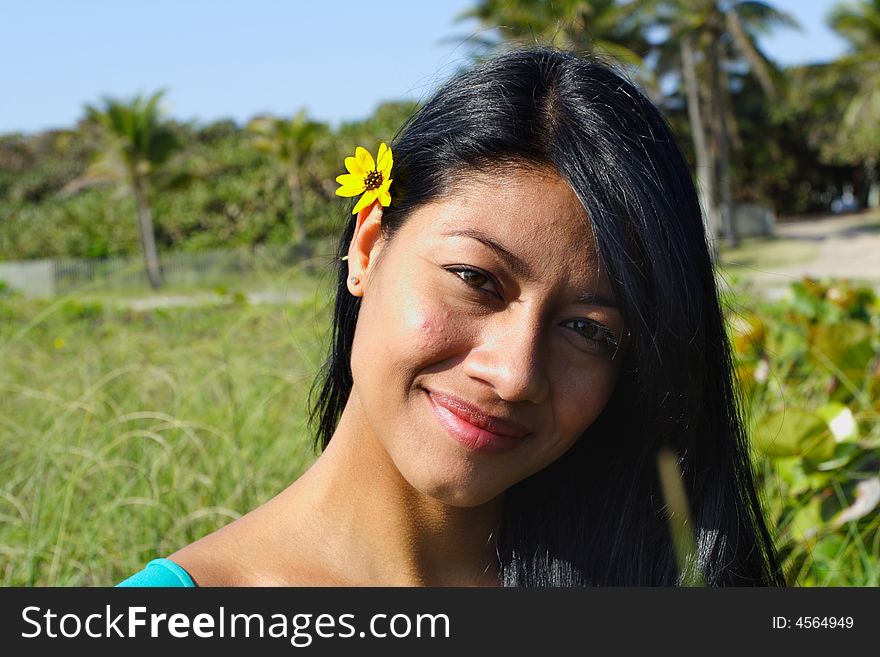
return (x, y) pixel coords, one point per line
(461, 490)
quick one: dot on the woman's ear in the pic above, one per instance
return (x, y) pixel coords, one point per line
(365, 246)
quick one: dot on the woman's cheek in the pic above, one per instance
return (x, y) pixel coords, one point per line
(432, 324)
(433, 328)
(604, 387)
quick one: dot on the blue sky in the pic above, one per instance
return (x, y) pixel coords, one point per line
(237, 58)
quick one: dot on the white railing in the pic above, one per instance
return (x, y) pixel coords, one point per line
(46, 278)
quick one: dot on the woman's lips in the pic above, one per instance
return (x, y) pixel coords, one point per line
(475, 430)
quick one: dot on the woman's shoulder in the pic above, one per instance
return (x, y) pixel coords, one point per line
(222, 559)
(160, 572)
(257, 549)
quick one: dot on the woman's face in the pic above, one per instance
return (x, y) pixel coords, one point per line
(524, 332)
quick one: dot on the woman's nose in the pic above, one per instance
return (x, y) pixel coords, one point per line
(509, 357)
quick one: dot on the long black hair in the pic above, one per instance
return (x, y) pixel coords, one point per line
(596, 516)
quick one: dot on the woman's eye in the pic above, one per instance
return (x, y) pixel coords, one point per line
(474, 278)
(595, 333)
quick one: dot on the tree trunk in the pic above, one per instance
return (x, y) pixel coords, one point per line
(148, 237)
(725, 204)
(299, 228)
(873, 183)
(705, 170)
(303, 248)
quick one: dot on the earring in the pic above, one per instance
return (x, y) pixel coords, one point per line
(354, 280)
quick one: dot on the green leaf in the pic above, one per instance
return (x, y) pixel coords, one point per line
(846, 344)
(829, 548)
(794, 432)
(787, 342)
(844, 453)
(807, 521)
(790, 476)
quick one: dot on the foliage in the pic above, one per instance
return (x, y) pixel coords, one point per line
(782, 145)
(816, 101)
(858, 136)
(137, 139)
(219, 190)
(734, 26)
(810, 378)
(292, 145)
(603, 27)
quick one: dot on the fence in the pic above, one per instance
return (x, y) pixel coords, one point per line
(45, 278)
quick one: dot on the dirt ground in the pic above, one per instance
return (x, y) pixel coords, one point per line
(845, 246)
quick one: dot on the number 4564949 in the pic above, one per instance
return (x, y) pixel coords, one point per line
(815, 622)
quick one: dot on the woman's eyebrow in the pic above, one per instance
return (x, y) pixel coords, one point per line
(519, 266)
(522, 269)
(592, 299)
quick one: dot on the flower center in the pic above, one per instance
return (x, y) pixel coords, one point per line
(373, 180)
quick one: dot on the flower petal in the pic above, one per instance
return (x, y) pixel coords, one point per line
(350, 180)
(385, 161)
(366, 200)
(354, 168)
(363, 157)
(349, 191)
(384, 197)
(350, 185)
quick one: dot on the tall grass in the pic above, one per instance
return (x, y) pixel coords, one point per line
(126, 435)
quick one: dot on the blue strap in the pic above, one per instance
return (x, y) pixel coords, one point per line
(160, 572)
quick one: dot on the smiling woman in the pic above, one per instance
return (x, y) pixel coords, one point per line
(478, 321)
(525, 316)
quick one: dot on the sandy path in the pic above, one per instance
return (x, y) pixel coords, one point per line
(172, 301)
(849, 247)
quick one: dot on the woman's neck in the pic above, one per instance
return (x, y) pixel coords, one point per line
(355, 510)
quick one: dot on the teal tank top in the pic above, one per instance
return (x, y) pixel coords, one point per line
(160, 572)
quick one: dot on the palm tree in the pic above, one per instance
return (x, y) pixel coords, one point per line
(605, 28)
(703, 36)
(859, 24)
(292, 144)
(137, 142)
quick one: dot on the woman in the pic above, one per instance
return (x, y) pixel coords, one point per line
(518, 330)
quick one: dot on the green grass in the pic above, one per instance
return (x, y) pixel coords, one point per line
(124, 435)
(762, 254)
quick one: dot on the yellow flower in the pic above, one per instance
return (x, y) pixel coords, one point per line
(59, 343)
(368, 177)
